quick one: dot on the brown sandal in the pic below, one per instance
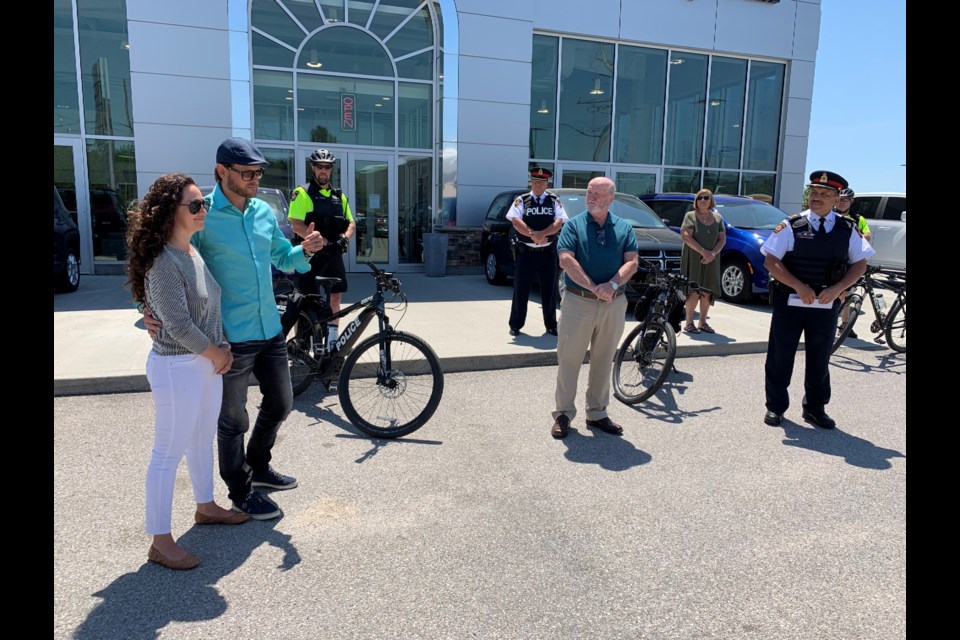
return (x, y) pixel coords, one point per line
(691, 329)
(706, 328)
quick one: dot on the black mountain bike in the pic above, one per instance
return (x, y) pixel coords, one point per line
(645, 358)
(389, 384)
(892, 325)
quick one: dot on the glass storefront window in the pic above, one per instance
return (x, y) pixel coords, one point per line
(579, 179)
(105, 67)
(66, 104)
(681, 180)
(332, 9)
(272, 105)
(586, 100)
(268, 53)
(112, 174)
(543, 96)
(722, 182)
(326, 100)
(765, 98)
(359, 12)
(345, 50)
(414, 121)
(686, 105)
(762, 186)
(389, 15)
(641, 84)
(414, 179)
(728, 82)
(280, 174)
(268, 17)
(305, 12)
(415, 35)
(418, 67)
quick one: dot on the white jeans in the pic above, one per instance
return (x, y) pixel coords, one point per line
(186, 395)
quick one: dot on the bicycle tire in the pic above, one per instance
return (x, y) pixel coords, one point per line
(896, 326)
(642, 363)
(411, 395)
(852, 305)
(302, 370)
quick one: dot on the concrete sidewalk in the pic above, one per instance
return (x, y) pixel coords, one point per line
(100, 344)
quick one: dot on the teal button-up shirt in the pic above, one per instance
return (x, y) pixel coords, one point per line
(582, 235)
(239, 247)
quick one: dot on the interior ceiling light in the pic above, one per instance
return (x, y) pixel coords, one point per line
(377, 104)
(543, 107)
(715, 103)
(596, 91)
(385, 98)
(676, 61)
(314, 63)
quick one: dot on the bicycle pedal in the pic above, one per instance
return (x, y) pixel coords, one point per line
(880, 340)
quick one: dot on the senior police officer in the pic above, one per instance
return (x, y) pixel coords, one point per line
(814, 257)
(319, 203)
(536, 217)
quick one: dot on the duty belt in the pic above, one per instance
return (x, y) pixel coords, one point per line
(523, 248)
(586, 294)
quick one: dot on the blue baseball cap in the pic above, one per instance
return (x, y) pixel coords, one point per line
(239, 151)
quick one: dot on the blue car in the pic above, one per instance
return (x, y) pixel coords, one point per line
(748, 222)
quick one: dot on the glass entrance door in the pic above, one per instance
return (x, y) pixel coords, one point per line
(374, 212)
(636, 181)
(70, 179)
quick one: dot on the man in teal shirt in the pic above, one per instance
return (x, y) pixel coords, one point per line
(239, 242)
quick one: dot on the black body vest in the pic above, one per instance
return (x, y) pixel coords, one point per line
(328, 216)
(818, 262)
(538, 216)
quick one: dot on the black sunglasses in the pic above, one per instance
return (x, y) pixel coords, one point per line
(322, 166)
(602, 236)
(194, 206)
(703, 197)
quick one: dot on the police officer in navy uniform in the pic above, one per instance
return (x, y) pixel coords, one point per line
(814, 256)
(321, 204)
(536, 217)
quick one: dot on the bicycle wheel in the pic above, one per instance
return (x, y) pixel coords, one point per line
(896, 326)
(642, 363)
(402, 399)
(299, 348)
(851, 309)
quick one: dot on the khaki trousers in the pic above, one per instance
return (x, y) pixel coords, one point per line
(584, 324)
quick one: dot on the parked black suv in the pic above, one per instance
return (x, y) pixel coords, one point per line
(66, 248)
(655, 241)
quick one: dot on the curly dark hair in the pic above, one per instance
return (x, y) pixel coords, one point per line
(150, 227)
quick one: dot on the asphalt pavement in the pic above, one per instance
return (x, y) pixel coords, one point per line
(101, 346)
(700, 522)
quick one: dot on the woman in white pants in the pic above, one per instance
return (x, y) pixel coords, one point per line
(189, 356)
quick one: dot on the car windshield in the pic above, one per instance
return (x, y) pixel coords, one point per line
(751, 215)
(625, 206)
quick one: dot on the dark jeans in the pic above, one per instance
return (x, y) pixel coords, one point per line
(819, 327)
(543, 266)
(267, 359)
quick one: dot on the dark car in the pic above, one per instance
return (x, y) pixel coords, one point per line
(747, 222)
(655, 241)
(278, 202)
(66, 248)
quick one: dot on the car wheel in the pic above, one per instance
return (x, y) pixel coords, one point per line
(735, 280)
(492, 270)
(69, 280)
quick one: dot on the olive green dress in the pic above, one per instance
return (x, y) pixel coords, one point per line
(706, 275)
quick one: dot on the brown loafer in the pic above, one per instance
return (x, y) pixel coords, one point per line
(235, 517)
(188, 562)
(606, 424)
(561, 427)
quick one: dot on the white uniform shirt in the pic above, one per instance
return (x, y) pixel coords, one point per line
(516, 211)
(781, 241)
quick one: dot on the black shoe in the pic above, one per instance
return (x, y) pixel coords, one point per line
(561, 426)
(773, 419)
(821, 419)
(852, 334)
(514, 332)
(257, 506)
(552, 332)
(273, 480)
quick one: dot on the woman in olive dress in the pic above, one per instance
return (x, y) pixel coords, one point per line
(703, 237)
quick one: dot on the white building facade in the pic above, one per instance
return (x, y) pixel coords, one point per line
(431, 107)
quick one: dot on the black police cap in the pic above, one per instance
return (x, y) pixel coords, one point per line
(539, 173)
(828, 179)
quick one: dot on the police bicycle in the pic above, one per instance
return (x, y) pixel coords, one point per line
(892, 325)
(389, 384)
(645, 358)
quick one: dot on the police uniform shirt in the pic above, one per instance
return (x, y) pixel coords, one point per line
(781, 240)
(516, 211)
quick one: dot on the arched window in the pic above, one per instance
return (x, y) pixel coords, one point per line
(344, 72)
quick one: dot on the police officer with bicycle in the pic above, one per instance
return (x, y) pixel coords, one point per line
(318, 202)
(813, 257)
(536, 217)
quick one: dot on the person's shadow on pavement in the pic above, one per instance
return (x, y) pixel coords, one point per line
(834, 442)
(614, 453)
(136, 606)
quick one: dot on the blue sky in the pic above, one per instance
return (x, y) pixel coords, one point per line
(858, 121)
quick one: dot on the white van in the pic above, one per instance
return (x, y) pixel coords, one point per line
(886, 213)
